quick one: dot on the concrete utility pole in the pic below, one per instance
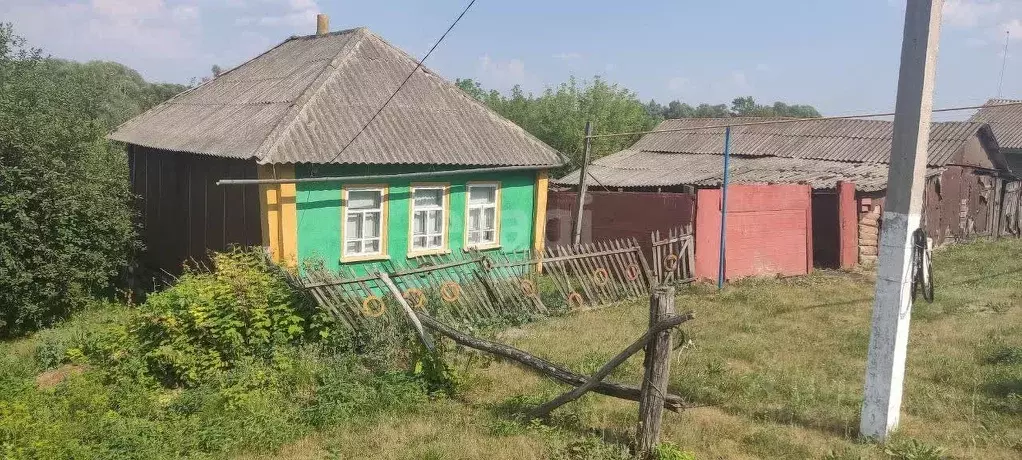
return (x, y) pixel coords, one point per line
(892, 307)
(582, 179)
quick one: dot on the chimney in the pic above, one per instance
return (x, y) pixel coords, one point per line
(322, 24)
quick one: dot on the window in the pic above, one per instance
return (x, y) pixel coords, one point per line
(483, 210)
(364, 222)
(429, 218)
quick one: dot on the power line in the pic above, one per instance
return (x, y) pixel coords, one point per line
(402, 85)
(795, 120)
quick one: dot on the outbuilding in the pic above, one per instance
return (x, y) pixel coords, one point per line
(965, 172)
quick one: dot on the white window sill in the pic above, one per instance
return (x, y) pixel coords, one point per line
(364, 258)
(482, 247)
(428, 252)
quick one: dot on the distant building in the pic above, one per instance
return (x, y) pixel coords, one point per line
(292, 113)
(1006, 122)
(966, 172)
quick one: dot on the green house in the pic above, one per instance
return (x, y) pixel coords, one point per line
(340, 181)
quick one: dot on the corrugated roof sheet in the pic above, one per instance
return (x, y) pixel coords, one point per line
(635, 168)
(1006, 122)
(303, 100)
(851, 140)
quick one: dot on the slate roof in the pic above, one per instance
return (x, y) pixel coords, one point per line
(303, 100)
(636, 168)
(1006, 122)
(851, 140)
(815, 152)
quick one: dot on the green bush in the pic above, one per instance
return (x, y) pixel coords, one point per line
(65, 220)
(256, 406)
(208, 321)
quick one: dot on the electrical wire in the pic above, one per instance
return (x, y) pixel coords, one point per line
(402, 85)
(795, 120)
(418, 66)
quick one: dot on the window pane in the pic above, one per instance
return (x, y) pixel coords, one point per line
(436, 241)
(419, 223)
(473, 219)
(354, 247)
(489, 236)
(436, 221)
(372, 246)
(489, 218)
(419, 242)
(372, 225)
(353, 228)
(473, 237)
(364, 199)
(428, 197)
(482, 195)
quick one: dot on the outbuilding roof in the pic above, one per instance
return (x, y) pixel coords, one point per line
(305, 99)
(815, 152)
(636, 168)
(851, 140)
(1006, 122)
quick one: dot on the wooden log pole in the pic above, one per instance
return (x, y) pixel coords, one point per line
(657, 372)
(665, 324)
(672, 402)
(408, 311)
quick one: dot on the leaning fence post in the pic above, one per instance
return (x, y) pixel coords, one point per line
(657, 371)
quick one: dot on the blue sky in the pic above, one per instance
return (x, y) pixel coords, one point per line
(840, 56)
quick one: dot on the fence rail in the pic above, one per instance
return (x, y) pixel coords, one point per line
(474, 287)
(674, 255)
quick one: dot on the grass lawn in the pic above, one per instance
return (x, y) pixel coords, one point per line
(776, 367)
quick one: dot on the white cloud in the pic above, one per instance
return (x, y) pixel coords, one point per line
(678, 85)
(969, 13)
(501, 74)
(1014, 27)
(740, 81)
(293, 13)
(108, 28)
(570, 56)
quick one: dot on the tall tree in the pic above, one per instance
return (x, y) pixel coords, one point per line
(65, 220)
(558, 116)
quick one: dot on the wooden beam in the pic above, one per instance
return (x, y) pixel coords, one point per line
(672, 402)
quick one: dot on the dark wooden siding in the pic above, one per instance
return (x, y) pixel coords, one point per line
(612, 215)
(183, 214)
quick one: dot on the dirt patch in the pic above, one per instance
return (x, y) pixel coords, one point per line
(53, 377)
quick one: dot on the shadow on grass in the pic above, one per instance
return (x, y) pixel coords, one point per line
(962, 282)
(843, 303)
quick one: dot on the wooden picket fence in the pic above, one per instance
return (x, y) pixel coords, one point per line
(465, 287)
(479, 288)
(598, 273)
(674, 255)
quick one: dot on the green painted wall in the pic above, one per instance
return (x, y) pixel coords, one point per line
(319, 210)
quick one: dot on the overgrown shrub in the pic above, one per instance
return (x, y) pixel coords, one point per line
(208, 321)
(65, 219)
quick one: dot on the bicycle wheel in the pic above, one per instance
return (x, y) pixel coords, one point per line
(927, 275)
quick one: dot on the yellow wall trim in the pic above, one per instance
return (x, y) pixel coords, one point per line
(279, 215)
(539, 222)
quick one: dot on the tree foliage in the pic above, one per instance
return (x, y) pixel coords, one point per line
(740, 107)
(65, 221)
(558, 115)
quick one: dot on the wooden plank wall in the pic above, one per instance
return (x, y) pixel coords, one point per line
(181, 212)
